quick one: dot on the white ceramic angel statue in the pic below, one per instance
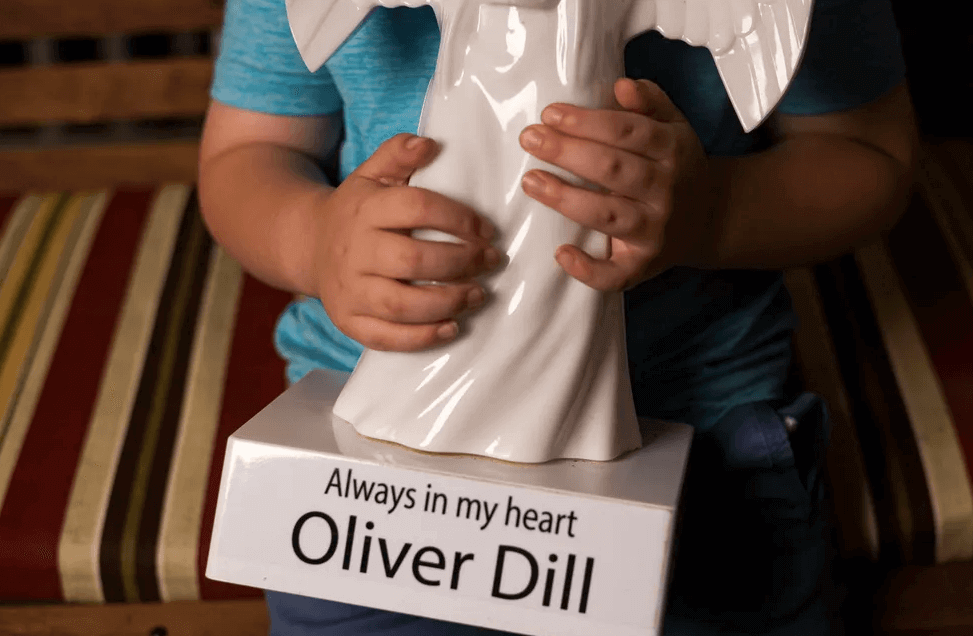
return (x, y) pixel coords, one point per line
(540, 372)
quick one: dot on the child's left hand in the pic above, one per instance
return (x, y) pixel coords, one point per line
(660, 196)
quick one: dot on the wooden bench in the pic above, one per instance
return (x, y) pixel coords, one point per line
(131, 347)
(101, 107)
(886, 336)
(104, 92)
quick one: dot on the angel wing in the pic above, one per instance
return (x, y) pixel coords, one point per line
(757, 44)
(320, 27)
(317, 43)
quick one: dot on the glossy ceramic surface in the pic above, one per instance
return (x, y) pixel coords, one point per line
(540, 372)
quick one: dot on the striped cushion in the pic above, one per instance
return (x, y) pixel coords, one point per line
(130, 348)
(887, 337)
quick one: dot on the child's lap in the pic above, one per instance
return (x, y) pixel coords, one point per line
(751, 553)
(753, 550)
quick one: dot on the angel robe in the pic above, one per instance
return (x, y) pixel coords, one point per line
(540, 372)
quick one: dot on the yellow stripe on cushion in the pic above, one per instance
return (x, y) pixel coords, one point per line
(22, 260)
(925, 403)
(186, 492)
(13, 234)
(25, 293)
(13, 246)
(78, 558)
(93, 208)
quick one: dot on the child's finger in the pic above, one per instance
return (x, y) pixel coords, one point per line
(383, 335)
(613, 274)
(619, 171)
(398, 302)
(647, 98)
(629, 131)
(397, 158)
(401, 257)
(408, 208)
(620, 217)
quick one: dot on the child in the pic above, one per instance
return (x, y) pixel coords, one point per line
(702, 219)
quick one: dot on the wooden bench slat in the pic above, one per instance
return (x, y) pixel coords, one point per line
(102, 91)
(94, 166)
(29, 19)
(240, 618)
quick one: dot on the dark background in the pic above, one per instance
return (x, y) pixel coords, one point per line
(937, 41)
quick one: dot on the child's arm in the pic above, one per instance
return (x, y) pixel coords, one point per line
(266, 201)
(829, 182)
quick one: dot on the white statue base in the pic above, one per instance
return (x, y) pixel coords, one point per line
(565, 548)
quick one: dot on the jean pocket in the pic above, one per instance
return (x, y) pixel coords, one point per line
(752, 540)
(808, 429)
(765, 465)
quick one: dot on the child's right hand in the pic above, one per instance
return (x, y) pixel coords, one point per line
(365, 255)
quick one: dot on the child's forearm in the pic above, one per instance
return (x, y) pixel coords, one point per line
(807, 199)
(262, 202)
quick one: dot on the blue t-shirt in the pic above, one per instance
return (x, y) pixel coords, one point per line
(699, 342)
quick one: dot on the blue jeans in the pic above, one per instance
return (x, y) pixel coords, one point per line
(752, 550)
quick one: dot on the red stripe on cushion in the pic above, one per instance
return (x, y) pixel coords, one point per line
(944, 312)
(33, 513)
(254, 378)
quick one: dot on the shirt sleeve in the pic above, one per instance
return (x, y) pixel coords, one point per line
(259, 67)
(853, 56)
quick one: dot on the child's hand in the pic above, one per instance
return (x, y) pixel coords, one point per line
(660, 196)
(365, 254)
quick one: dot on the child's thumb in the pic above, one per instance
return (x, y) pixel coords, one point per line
(397, 158)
